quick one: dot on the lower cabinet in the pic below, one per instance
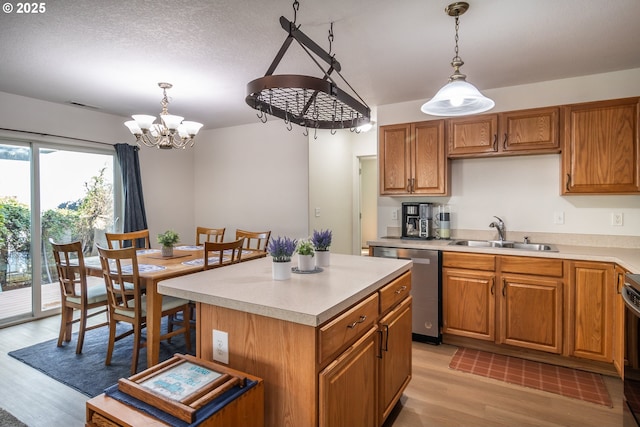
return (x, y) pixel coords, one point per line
(394, 371)
(468, 295)
(531, 312)
(619, 318)
(347, 387)
(361, 385)
(591, 310)
(504, 299)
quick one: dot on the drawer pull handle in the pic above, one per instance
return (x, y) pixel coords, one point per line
(354, 324)
(401, 289)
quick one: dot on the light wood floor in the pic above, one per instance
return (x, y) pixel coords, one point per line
(436, 396)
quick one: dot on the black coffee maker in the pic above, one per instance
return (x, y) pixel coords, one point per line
(417, 221)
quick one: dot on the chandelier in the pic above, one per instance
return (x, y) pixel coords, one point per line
(307, 101)
(458, 97)
(170, 133)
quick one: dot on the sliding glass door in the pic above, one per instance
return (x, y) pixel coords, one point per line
(48, 193)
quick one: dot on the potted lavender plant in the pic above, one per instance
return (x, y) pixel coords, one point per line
(321, 241)
(281, 250)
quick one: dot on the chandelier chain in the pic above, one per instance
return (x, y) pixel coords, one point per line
(456, 38)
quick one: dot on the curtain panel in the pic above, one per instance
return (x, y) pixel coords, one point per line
(135, 217)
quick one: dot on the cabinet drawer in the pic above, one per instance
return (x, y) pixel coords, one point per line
(395, 292)
(469, 261)
(529, 265)
(345, 329)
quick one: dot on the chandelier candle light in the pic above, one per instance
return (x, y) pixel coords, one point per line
(458, 97)
(170, 133)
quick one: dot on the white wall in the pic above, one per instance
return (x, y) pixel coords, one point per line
(253, 177)
(525, 190)
(334, 184)
(166, 175)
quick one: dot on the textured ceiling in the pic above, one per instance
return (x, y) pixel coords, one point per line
(111, 54)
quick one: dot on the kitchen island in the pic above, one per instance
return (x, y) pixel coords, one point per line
(314, 338)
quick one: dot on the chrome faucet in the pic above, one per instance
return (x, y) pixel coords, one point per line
(500, 227)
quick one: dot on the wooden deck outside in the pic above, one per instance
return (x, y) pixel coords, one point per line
(17, 302)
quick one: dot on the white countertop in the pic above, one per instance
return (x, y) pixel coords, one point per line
(626, 258)
(308, 299)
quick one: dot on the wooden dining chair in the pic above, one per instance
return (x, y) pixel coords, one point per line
(136, 239)
(231, 250)
(78, 292)
(128, 304)
(204, 234)
(254, 240)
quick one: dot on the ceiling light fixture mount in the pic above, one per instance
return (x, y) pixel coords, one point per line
(458, 97)
(170, 133)
(304, 100)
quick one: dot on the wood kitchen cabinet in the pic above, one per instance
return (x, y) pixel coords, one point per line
(532, 131)
(347, 387)
(591, 295)
(350, 370)
(468, 295)
(504, 299)
(601, 152)
(412, 159)
(531, 303)
(619, 318)
(394, 371)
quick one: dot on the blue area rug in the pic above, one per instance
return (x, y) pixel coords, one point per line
(87, 372)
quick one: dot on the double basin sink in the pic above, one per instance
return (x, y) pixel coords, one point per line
(506, 244)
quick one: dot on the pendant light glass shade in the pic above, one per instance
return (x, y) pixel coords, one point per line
(457, 98)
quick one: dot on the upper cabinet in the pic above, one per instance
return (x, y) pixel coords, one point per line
(601, 152)
(413, 160)
(532, 131)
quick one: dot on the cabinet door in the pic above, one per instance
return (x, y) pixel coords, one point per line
(394, 158)
(395, 362)
(619, 312)
(531, 312)
(592, 291)
(469, 303)
(472, 135)
(348, 386)
(601, 147)
(430, 167)
(535, 130)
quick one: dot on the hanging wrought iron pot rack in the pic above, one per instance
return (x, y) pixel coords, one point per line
(305, 100)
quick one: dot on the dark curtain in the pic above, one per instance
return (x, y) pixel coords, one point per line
(135, 217)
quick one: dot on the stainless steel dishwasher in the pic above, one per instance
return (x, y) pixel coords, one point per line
(425, 290)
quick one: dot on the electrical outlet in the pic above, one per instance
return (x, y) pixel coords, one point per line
(558, 218)
(220, 346)
(394, 214)
(617, 219)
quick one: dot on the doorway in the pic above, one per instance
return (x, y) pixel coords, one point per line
(368, 201)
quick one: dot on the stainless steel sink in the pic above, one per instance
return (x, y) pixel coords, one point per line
(507, 244)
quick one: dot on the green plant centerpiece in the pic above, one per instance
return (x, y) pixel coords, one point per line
(281, 250)
(321, 241)
(305, 252)
(168, 240)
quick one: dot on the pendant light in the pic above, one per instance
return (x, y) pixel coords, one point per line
(458, 97)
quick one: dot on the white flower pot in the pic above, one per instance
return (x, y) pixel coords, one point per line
(167, 251)
(322, 258)
(281, 270)
(306, 263)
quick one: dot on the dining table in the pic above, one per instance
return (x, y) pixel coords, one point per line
(152, 268)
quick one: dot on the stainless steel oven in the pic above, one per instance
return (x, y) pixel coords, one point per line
(631, 375)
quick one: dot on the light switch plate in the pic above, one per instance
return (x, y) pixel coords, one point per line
(558, 218)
